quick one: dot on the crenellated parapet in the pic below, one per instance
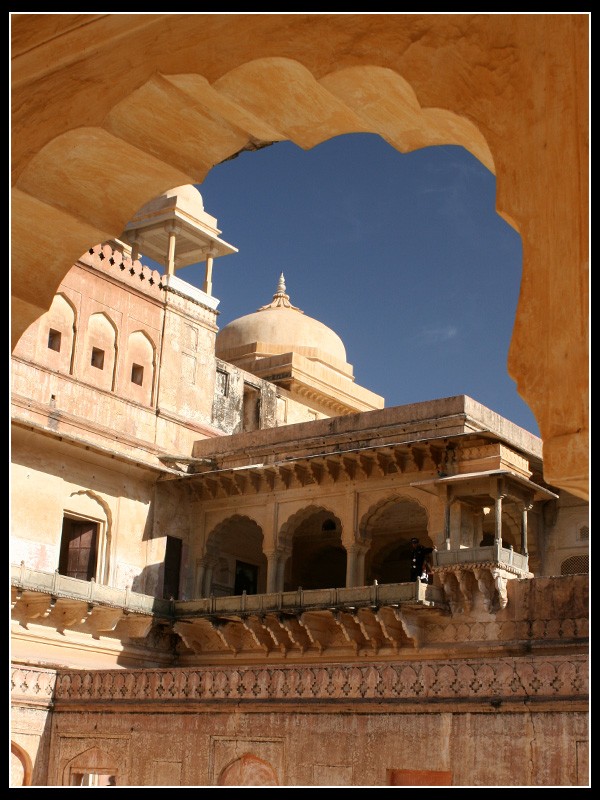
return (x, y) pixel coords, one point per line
(119, 265)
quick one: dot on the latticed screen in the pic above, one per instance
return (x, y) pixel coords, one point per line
(575, 565)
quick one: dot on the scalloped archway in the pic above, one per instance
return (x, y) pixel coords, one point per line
(199, 89)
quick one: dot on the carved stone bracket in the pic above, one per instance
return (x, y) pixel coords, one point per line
(468, 586)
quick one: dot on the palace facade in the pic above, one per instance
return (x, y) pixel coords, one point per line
(210, 552)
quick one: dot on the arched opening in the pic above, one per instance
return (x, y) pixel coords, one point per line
(98, 357)
(85, 544)
(139, 367)
(234, 562)
(93, 767)
(248, 770)
(389, 528)
(318, 558)
(575, 565)
(20, 766)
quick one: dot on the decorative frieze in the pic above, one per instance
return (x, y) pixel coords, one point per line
(499, 680)
(31, 685)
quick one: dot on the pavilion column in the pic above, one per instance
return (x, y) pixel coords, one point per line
(499, 496)
(498, 519)
(350, 565)
(478, 529)
(200, 578)
(447, 508)
(281, 562)
(207, 578)
(524, 514)
(171, 253)
(207, 287)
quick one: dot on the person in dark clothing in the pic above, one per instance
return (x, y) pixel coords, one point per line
(418, 558)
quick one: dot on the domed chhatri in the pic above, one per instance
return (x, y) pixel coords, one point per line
(282, 344)
(175, 231)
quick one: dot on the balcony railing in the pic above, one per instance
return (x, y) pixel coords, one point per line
(374, 596)
(64, 587)
(492, 554)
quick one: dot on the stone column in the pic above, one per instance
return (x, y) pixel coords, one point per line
(204, 572)
(477, 528)
(281, 562)
(171, 253)
(498, 520)
(272, 571)
(347, 513)
(446, 497)
(350, 559)
(455, 532)
(207, 288)
(527, 507)
(361, 554)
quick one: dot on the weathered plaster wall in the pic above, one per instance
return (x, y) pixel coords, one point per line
(478, 749)
(46, 484)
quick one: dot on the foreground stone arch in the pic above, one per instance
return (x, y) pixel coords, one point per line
(401, 76)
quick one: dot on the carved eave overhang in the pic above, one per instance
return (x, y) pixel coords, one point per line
(476, 575)
(334, 466)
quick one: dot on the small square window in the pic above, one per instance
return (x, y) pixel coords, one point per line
(222, 383)
(54, 340)
(97, 358)
(137, 374)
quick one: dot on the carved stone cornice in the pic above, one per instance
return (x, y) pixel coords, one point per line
(328, 468)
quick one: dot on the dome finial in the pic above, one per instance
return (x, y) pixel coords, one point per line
(280, 299)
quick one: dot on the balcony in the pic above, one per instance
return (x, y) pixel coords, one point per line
(336, 622)
(467, 572)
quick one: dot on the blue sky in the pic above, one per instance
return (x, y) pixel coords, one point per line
(402, 255)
